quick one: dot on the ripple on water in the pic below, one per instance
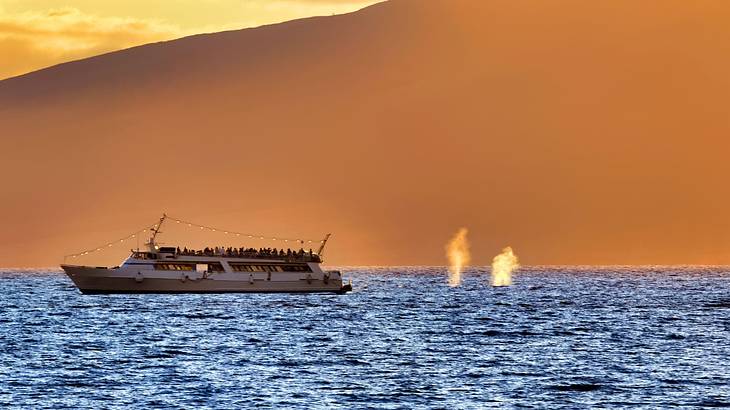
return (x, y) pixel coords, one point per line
(596, 337)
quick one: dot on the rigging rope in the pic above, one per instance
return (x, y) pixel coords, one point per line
(110, 244)
(249, 235)
(190, 224)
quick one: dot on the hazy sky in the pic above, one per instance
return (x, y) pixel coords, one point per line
(576, 132)
(39, 33)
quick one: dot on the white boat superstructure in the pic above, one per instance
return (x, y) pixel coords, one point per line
(212, 270)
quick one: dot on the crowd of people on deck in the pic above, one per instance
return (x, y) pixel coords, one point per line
(232, 252)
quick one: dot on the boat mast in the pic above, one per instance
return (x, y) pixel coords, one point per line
(324, 242)
(155, 230)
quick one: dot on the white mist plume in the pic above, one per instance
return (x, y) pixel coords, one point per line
(502, 267)
(457, 250)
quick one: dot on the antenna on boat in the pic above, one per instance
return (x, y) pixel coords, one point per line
(324, 242)
(155, 231)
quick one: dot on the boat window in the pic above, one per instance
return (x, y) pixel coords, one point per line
(244, 267)
(297, 268)
(240, 267)
(141, 255)
(174, 266)
(215, 267)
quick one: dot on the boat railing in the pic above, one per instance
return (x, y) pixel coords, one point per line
(287, 258)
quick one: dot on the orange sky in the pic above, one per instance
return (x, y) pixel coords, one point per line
(40, 33)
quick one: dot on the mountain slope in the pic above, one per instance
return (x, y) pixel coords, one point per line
(577, 132)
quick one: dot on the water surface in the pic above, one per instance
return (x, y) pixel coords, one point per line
(560, 337)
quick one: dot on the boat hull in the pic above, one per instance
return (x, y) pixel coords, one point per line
(91, 280)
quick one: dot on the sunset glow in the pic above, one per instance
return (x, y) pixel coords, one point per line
(580, 143)
(296, 203)
(40, 33)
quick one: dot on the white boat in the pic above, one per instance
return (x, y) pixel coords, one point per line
(164, 269)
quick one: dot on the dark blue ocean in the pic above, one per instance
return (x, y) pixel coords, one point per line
(559, 338)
